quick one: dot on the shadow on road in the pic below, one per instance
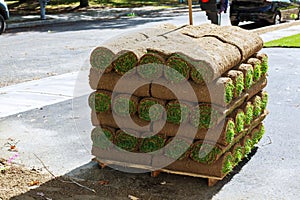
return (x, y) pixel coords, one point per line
(122, 22)
(111, 184)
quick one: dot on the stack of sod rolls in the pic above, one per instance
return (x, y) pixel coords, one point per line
(224, 69)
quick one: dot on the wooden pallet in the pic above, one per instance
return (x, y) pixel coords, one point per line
(211, 180)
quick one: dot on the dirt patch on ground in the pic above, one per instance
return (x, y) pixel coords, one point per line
(15, 179)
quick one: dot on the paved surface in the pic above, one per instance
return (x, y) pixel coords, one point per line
(91, 15)
(59, 134)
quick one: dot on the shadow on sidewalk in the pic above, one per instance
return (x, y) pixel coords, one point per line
(111, 184)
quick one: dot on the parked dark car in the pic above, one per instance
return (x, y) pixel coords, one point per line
(4, 15)
(271, 11)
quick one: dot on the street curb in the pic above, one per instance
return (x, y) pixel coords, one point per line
(271, 28)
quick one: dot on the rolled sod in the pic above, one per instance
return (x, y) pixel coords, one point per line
(228, 164)
(151, 66)
(248, 72)
(248, 110)
(204, 116)
(100, 101)
(102, 137)
(125, 105)
(258, 133)
(178, 149)
(238, 81)
(151, 109)
(247, 144)
(230, 131)
(264, 62)
(257, 87)
(220, 92)
(200, 72)
(256, 64)
(237, 153)
(126, 140)
(240, 121)
(151, 144)
(124, 61)
(101, 58)
(178, 69)
(207, 155)
(264, 99)
(257, 104)
(177, 112)
(247, 43)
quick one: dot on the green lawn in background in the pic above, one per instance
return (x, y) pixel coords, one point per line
(290, 41)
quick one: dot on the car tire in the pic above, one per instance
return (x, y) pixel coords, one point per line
(277, 18)
(2, 24)
(234, 22)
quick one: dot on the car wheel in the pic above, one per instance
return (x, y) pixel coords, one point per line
(2, 24)
(277, 18)
(234, 22)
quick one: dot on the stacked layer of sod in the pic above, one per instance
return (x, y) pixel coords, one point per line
(228, 86)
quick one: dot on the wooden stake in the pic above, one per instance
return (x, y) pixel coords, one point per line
(190, 12)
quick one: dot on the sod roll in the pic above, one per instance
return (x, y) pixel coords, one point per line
(177, 112)
(125, 105)
(151, 66)
(151, 109)
(100, 101)
(103, 137)
(152, 144)
(256, 64)
(247, 42)
(126, 140)
(237, 78)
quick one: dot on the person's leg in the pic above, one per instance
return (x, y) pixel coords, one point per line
(43, 9)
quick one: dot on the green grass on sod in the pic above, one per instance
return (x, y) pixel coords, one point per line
(102, 137)
(290, 41)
